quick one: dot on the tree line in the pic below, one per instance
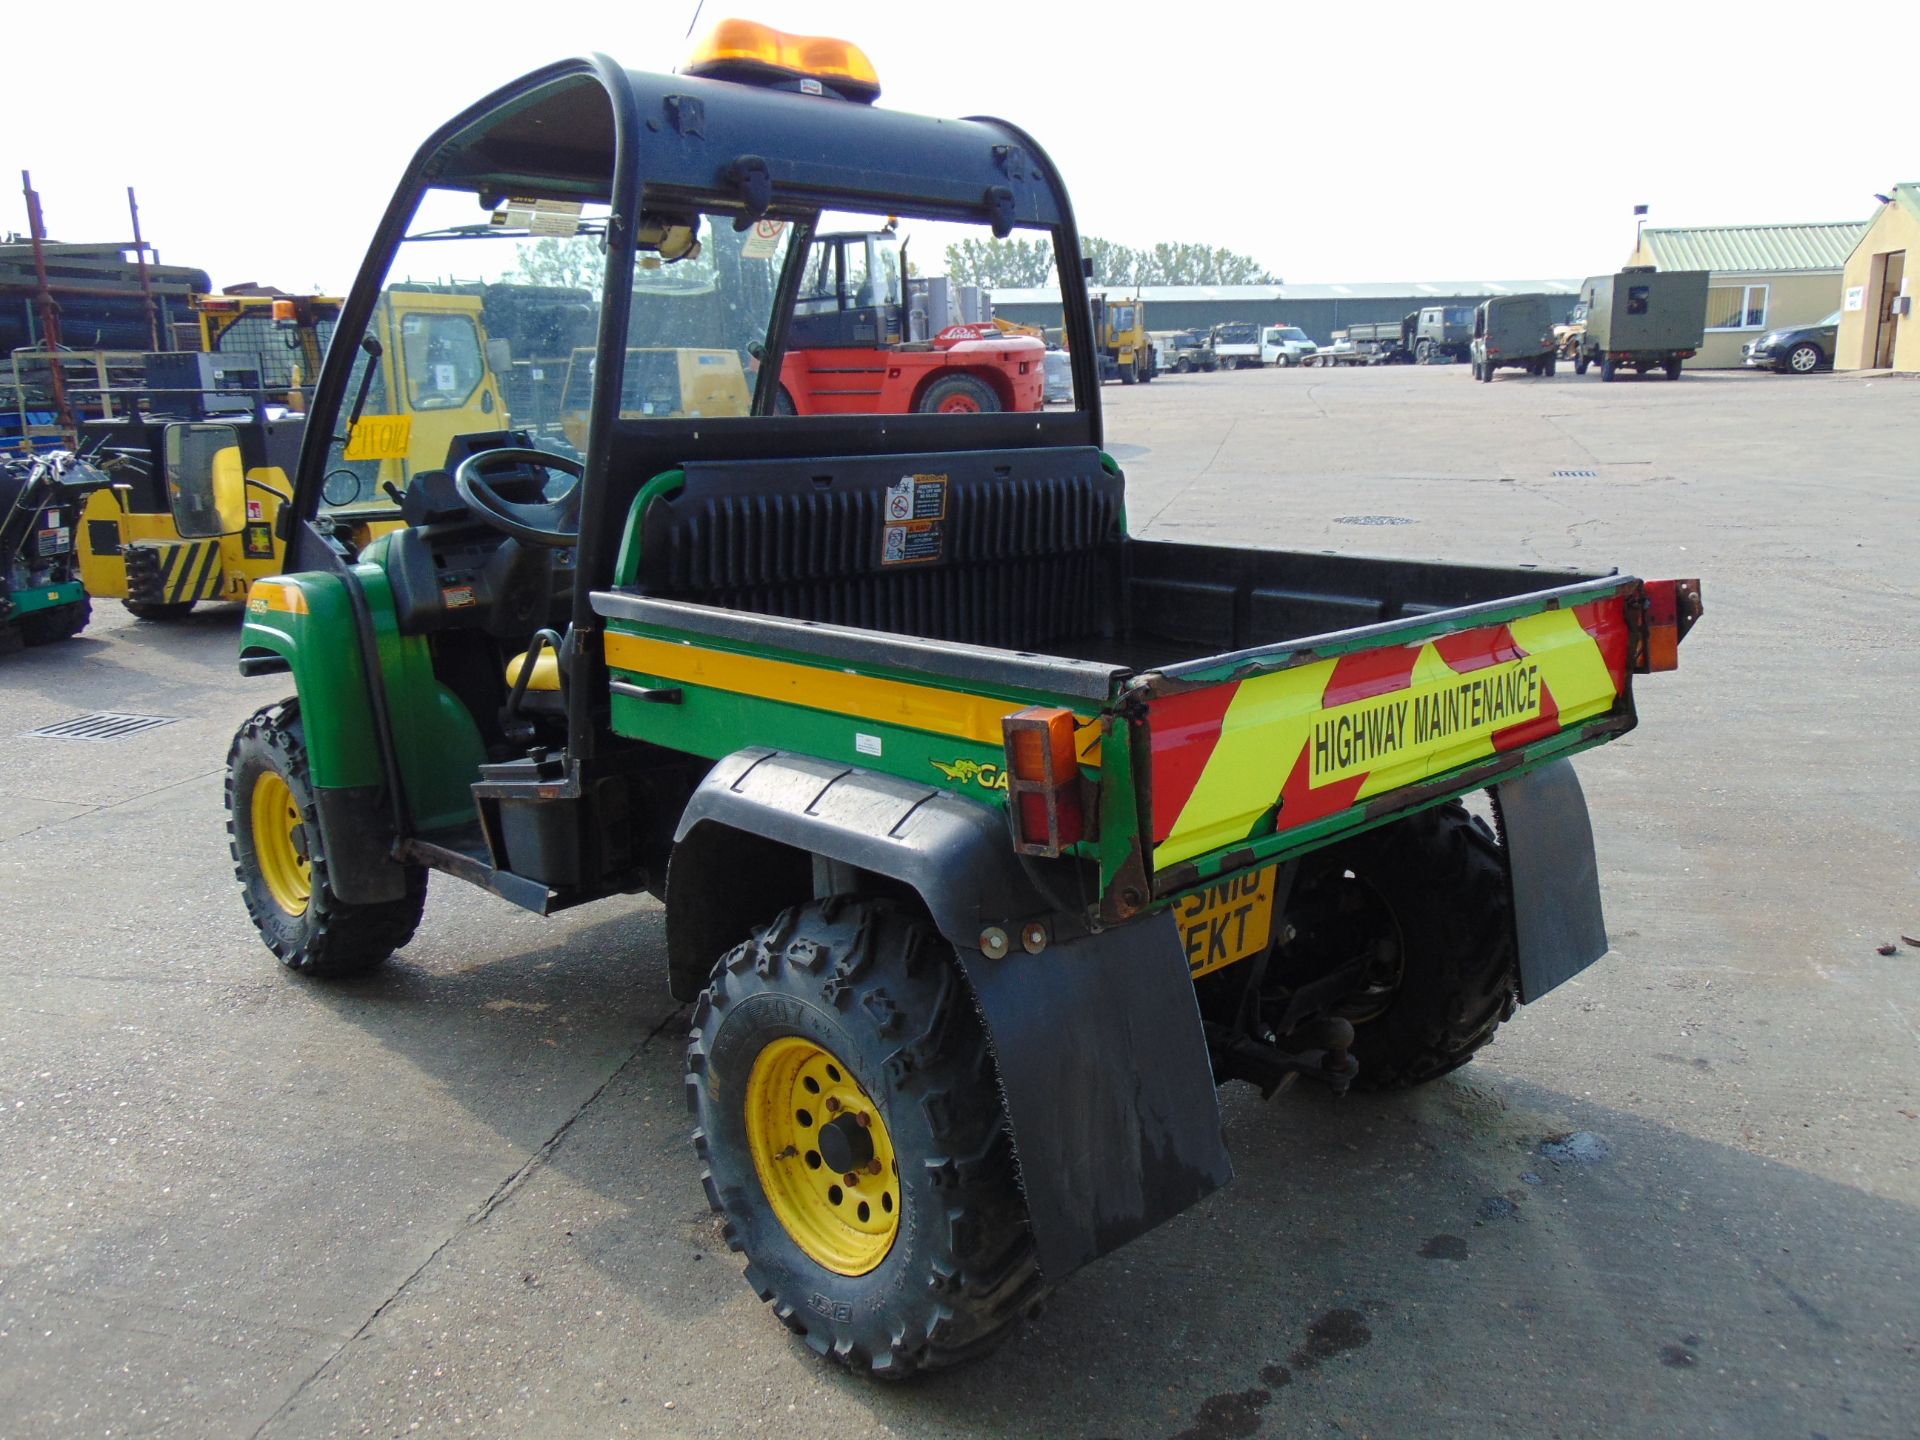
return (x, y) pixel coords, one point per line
(1025, 264)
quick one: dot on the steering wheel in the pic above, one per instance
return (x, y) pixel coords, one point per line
(554, 523)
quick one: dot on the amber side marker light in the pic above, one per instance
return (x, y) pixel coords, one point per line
(757, 54)
(1043, 781)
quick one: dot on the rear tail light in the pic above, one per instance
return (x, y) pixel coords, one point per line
(1672, 607)
(1043, 781)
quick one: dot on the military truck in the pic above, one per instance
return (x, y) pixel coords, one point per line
(991, 838)
(1382, 342)
(1642, 319)
(1439, 334)
(1514, 330)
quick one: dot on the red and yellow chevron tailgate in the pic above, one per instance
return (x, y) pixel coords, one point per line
(1322, 737)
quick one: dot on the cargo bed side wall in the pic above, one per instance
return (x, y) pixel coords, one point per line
(1187, 602)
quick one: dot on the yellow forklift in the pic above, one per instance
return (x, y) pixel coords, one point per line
(200, 469)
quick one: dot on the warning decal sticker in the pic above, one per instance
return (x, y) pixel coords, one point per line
(915, 512)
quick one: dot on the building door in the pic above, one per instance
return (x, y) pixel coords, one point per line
(1893, 269)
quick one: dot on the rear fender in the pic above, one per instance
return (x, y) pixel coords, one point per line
(1103, 1064)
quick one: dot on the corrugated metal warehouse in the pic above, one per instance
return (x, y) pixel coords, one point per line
(1317, 309)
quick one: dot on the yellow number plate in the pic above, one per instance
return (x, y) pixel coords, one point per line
(1227, 921)
(380, 437)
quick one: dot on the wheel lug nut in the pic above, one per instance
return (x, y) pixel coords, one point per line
(833, 1102)
(865, 1119)
(851, 1179)
(873, 1167)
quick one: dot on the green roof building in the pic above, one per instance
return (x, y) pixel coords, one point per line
(1761, 277)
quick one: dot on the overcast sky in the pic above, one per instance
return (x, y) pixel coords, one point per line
(1337, 142)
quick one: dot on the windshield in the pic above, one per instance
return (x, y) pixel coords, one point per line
(475, 326)
(1290, 332)
(1831, 320)
(489, 320)
(1460, 315)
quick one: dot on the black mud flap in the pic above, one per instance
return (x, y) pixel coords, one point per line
(1556, 880)
(1107, 1086)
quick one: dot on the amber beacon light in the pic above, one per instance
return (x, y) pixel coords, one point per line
(759, 54)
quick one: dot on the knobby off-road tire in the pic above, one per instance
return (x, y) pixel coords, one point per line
(273, 832)
(1441, 877)
(870, 986)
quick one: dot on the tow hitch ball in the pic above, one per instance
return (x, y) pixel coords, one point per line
(1320, 1051)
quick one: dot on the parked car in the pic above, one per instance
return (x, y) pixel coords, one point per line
(1796, 350)
(1188, 351)
(1057, 377)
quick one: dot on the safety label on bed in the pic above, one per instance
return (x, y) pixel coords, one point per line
(916, 510)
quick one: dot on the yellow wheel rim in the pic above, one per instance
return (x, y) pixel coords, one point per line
(279, 844)
(805, 1116)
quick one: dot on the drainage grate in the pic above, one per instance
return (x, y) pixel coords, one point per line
(101, 725)
(1576, 474)
(1372, 520)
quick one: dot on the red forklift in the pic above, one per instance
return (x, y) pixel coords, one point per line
(850, 352)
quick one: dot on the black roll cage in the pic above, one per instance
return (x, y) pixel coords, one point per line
(667, 116)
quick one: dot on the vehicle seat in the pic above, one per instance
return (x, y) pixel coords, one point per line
(546, 670)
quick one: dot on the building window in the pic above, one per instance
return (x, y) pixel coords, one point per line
(1737, 307)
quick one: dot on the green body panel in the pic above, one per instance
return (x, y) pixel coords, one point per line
(1120, 842)
(342, 751)
(713, 722)
(436, 741)
(46, 597)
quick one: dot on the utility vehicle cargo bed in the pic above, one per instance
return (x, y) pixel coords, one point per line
(1256, 700)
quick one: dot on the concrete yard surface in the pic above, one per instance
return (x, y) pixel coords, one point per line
(1676, 1197)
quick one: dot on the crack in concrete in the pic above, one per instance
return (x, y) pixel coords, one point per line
(501, 1194)
(1192, 480)
(102, 806)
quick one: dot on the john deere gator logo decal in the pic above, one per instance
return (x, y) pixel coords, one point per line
(987, 775)
(1281, 750)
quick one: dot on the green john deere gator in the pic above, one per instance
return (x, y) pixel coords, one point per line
(992, 839)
